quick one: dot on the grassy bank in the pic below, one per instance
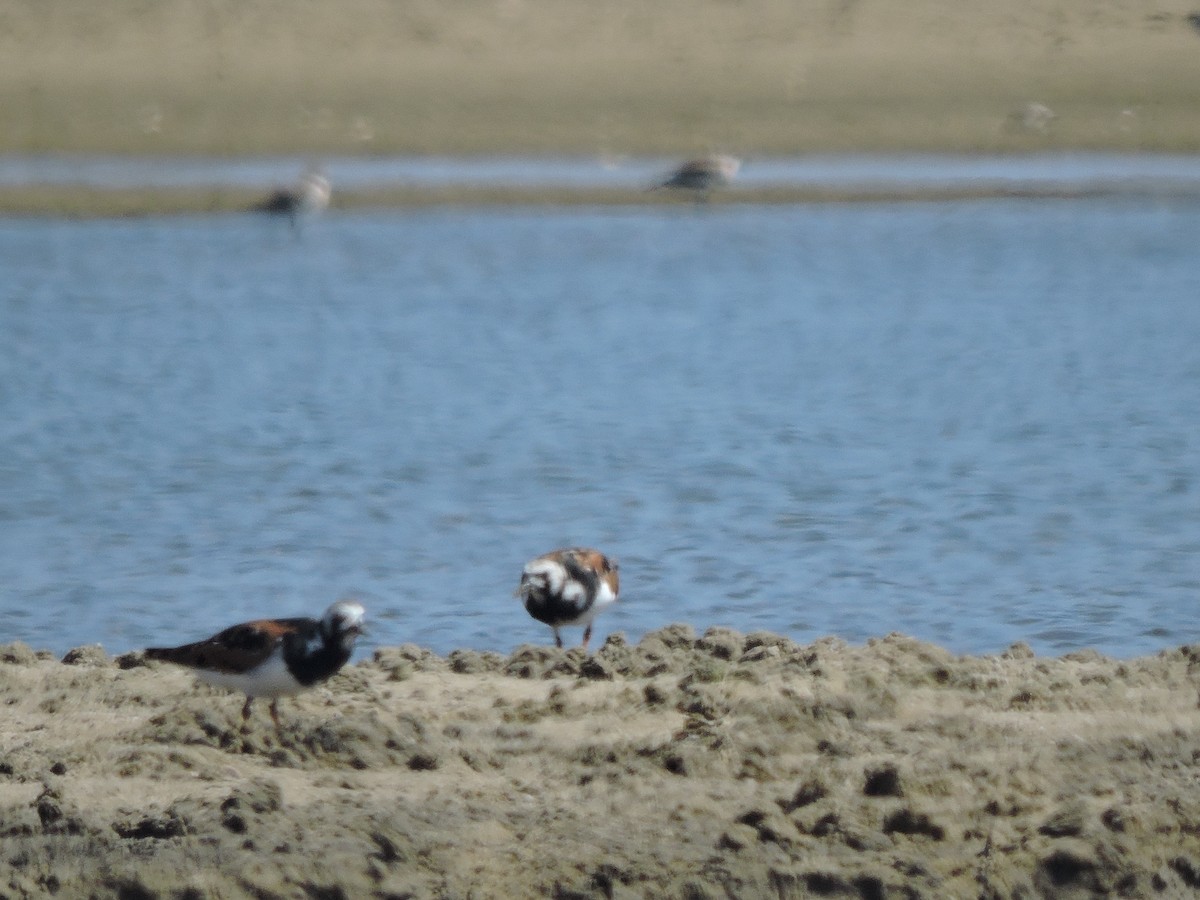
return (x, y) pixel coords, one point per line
(531, 76)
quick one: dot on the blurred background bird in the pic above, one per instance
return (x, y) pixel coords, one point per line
(307, 197)
(702, 175)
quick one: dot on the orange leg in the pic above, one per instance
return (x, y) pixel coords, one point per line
(246, 714)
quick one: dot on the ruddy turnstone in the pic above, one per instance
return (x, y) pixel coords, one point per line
(569, 587)
(272, 657)
(702, 175)
(308, 196)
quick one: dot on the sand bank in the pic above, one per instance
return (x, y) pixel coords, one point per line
(95, 203)
(535, 76)
(721, 765)
(609, 80)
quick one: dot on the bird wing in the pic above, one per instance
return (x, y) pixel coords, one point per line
(238, 648)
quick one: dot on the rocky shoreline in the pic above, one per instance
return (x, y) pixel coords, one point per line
(710, 765)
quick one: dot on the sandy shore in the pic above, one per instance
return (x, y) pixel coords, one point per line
(536, 76)
(720, 765)
(604, 80)
(89, 203)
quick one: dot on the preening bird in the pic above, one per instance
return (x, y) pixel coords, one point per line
(569, 587)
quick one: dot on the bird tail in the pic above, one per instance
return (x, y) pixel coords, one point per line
(167, 654)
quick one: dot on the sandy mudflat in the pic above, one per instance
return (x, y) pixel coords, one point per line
(720, 765)
(614, 77)
(604, 80)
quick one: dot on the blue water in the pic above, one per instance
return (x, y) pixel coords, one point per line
(972, 422)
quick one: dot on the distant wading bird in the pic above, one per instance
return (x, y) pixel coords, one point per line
(701, 176)
(309, 196)
(272, 657)
(569, 587)
(1032, 118)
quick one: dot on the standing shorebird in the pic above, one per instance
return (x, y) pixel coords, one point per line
(309, 196)
(569, 587)
(272, 657)
(702, 175)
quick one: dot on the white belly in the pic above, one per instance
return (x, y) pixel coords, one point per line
(271, 679)
(604, 597)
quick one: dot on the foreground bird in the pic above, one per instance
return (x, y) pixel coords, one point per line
(569, 587)
(310, 195)
(272, 657)
(701, 176)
